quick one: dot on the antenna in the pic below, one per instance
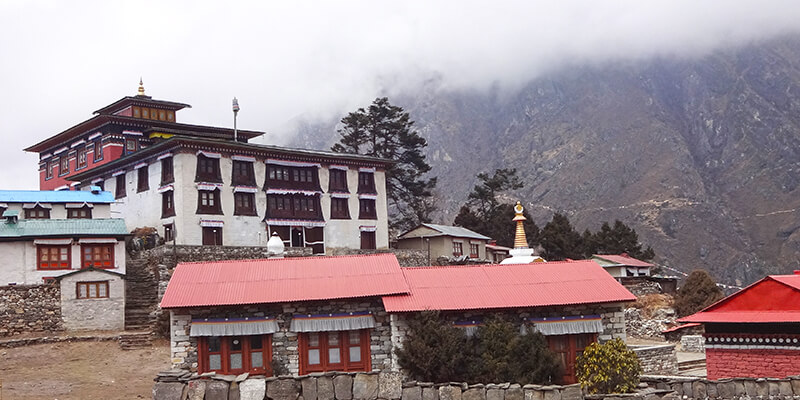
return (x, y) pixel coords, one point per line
(235, 113)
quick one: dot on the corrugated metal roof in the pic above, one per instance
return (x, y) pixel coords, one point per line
(283, 280)
(776, 298)
(507, 286)
(54, 196)
(447, 230)
(623, 260)
(26, 228)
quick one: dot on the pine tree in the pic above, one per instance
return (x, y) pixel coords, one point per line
(559, 240)
(387, 131)
(698, 292)
(620, 239)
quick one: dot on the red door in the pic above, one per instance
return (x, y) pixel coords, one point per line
(567, 349)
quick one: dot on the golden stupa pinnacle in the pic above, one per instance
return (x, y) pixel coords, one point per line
(141, 88)
(520, 241)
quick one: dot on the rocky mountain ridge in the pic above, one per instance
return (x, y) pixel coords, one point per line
(700, 156)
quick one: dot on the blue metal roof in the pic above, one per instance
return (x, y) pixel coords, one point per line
(40, 228)
(54, 196)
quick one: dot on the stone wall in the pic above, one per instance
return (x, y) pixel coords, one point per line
(693, 343)
(34, 308)
(661, 359)
(93, 313)
(346, 386)
(284, 342)
(739, 388)
(405, 257)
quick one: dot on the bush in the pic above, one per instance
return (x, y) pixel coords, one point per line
(698, 292)
(608, 368)
(433, 350)
(533, 362)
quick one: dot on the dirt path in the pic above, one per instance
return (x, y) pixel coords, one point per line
(80, 371)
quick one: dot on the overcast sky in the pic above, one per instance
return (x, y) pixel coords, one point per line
(61, 60)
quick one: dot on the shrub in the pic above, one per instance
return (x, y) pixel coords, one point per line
(533, 362)
(608, 368)
(495, 342)
(698, 292)
(433, 349)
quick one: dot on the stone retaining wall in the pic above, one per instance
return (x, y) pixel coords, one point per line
(34, 308)
(693, 343)
(661, 359)
(738, 388)
(405, 257)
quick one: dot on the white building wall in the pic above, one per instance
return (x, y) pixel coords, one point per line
(20, 264)
(93, 314)
(59, 210)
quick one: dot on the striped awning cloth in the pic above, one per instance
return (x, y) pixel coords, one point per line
(567, 325)
(470, 327)
(332, 322)
(233, 326)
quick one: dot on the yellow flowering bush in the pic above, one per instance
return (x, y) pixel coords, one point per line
(608, 368)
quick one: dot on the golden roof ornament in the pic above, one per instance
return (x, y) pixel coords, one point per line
(520, 241)
(141, 88)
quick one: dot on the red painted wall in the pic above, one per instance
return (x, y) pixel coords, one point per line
(110, 153)
(756, 363)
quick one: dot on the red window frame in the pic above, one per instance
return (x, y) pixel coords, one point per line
(474, 250)
(227, 348)
(87, 294)
(64, 164)
(98, 150)
(53, 250)
(343, 343)
(97, 255)
(81, 159)
(458, 249)
(48, 173)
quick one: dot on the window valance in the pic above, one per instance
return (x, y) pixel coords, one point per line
(567, 325)
(332, 322)
(233, 326)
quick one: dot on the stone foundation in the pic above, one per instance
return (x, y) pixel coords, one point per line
(661, 360)
(34, 308)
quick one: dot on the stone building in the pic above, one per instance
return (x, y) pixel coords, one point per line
(46, 234)
(92, 299)
(754, 332)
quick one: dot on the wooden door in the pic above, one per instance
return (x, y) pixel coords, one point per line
(567, 349)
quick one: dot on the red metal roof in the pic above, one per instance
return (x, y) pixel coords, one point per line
(283, 280)
(623, 259)
(507, 286)
(775, 298)
(679, 327)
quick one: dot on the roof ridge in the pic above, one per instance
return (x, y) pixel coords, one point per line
(286, 258)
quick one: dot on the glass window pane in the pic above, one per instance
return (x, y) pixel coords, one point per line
(236, 361)
(334, 356)
(355, 354)
(255, 342)
(333, 338)
(355, 337)
(214, 362)
(256, 359)
(236, 343)
(92, 290)
(102, 290)
(313, 357)
(213, 344)
(313, 339)
(81, 291)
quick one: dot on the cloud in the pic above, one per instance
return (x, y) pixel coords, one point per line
(62, 60)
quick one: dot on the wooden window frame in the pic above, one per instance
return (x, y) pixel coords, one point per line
(169, 232)
(476, 248)
(207, 169)
(366, 209)
(209, 238)
(458, 249)
(366, 182)
(239, 204)
(283, 177)
(167, 204)
(33, 213)
(120, 191)
(368, 240)
(128, 141)
(48, 171)
(337, 181)
(344, 345)
(96, 284)
(167, 171)
(81, 156)
(98, 150)
(340, 208)
(225, 352)
(60, 264)
(142, 179)
(75, 213)
(294, 206)
(243, 173)
(88, 260)
(63, 164)
(212, 200)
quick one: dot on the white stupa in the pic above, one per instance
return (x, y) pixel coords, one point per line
(275, 246)
(521, 253)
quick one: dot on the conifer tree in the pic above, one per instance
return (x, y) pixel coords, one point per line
(387, 131)
(698, 292)
(559, 240)
(620, 239)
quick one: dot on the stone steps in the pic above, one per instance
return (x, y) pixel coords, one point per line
(141, 292)
(691, 364)
(135, 340)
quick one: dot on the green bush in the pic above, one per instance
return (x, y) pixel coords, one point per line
(433, 350)
(608, 368)
(697, 292)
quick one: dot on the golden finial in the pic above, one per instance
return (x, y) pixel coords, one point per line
(141, 88)
(520, 241)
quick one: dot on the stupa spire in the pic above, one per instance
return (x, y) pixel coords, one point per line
(520, 240)
(140, 92)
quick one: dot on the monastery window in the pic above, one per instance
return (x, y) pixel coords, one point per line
(366, 182)
(53, 257)
(167, 173)
(244, 204)
(81, 158)
(79, 213)
(368, 240)
(366, 209)
(334, 351)
(338, 181)
(48, 169)
(339, 208)
(92, 290)
(277, 173)
(97, 255)
(207, 169)
(143, 181)
(120, 190)
(474, 250)
(458, 249)
(131, 145)
(212, 236)
(169, 232)
(243, 173)
(64, 169)
(208, 202)
(302, 178)
(293, 206)
(235, 354)
(98, 150)
(37, 212)
(167, 204)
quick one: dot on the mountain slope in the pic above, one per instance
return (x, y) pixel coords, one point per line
(701, 157)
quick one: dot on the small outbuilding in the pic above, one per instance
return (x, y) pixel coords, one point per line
(93, 299)
(754, 332)
(445, 241)
(622, 265)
